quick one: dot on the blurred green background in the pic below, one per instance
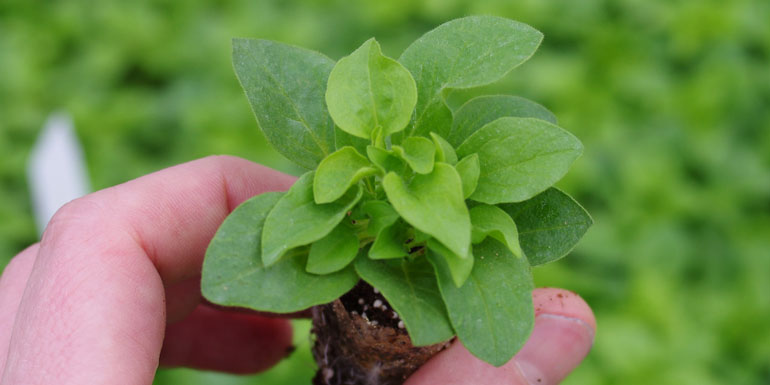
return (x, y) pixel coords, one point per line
(671, 99)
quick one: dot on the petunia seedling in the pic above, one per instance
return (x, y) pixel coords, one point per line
(442, 211)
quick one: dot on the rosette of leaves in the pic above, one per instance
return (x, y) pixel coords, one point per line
(444, 211)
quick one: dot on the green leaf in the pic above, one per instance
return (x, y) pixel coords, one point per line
(367, 90)
(444, 151)
(385, 160)
(389, 243)
(381, 214)
(420, 237)
(519, 158)
(333, 252)
(479, 111)
(436, 117)
(492, 312)
(434, 204)
(285, 86)
(550, 225)
(492, 221)
(419, 153)
(233, 274)
(297, 220)
(412, 291)
(469, 169)
(463, 53)
(337, 172)
(342, 139)
(459, 267)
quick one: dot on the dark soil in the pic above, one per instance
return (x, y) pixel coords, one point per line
(358, 341)
(367, 302)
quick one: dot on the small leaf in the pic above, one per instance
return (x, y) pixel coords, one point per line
(459, 267)
(492, 312)
(297, 220)
(420, 237)
(519, 158)
(367, 90)
(444, 151)
(434, 204)
(469, 169)
(412, 291)
(381, 214)
(233, 274)
(418, 152)
(463, 53)
(333, 252)
(385, 160)
(285, 86)
(337, 172)
(492, 221)
(389, 243)
(479, 111)
(550, 225)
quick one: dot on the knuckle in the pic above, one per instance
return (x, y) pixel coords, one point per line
(74, 214)
(222, 161)
(19, 266)
(14, 265)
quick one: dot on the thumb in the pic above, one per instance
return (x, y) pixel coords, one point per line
(563, 335)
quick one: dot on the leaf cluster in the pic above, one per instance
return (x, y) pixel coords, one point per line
(443, 211)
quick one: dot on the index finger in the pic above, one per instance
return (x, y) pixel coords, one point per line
(93, 310)
(173, 214)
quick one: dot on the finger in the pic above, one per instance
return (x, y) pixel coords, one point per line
(563, 335)
(93, 311)
(173, 214)
(12, 284)
(240, 343)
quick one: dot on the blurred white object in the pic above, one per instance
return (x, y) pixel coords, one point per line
(56, 169)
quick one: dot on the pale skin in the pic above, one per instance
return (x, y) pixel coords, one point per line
(112, 292)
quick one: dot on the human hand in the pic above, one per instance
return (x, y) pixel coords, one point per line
(112, 291)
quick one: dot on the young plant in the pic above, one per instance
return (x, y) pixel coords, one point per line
(442, 211)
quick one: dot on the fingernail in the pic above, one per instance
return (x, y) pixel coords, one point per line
(557, 345)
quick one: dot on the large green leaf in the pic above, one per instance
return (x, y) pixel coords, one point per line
(337, 172)
(492, 312)
(479, 111)
(412, 291)
(433, 203)
(463, 53)
(285, 86)
(519, 158)
(297, 220)
(492, 221)
(233, 273)
(334, 251)
(368, 90)
(550, 225)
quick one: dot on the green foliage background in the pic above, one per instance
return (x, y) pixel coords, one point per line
(670, 98)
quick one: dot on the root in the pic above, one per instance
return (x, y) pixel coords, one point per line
(352, 350)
